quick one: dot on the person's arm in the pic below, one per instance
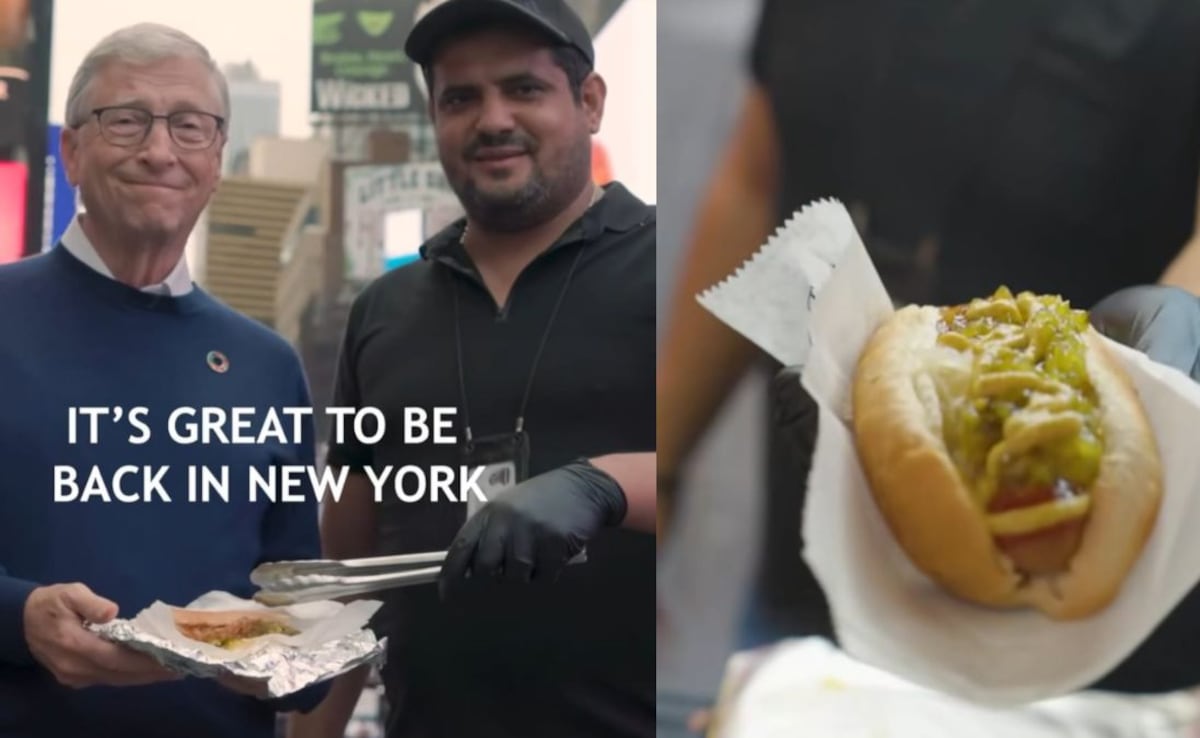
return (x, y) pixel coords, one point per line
(635, 473)
(1184, 270)
(347, 532)
(701, 359)
(51, 627)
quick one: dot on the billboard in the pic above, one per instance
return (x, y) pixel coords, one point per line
(389, 210)
(13, 175)
(14, 93)
(358, 60)
(59, 205)
(14, 72)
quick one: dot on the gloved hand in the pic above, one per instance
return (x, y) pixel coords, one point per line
(1162, 322)
(789, 600)
(794, 412)
(531, 531)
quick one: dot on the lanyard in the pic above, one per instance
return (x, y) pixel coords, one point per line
(537, 357)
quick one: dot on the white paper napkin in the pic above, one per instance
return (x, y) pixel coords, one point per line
(806, 687)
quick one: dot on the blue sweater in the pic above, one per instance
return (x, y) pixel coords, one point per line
(70, 336)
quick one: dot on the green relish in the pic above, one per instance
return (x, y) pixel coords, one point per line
(1029, 388)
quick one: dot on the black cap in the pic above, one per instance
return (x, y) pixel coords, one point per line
(552, 18)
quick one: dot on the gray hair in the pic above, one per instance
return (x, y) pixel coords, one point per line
(141, 44)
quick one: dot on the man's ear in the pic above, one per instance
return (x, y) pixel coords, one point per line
(593, 92)
(68, 143)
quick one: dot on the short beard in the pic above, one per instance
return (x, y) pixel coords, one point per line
(539, 201)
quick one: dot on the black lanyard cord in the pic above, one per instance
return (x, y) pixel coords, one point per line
(537, 358)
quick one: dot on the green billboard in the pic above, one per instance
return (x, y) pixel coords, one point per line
(358, 61)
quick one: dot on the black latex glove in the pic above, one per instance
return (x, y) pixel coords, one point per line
(794, 413)
(530, 532)
(1162, 322)
(790, 600)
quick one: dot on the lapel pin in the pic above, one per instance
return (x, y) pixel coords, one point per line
(217, 362)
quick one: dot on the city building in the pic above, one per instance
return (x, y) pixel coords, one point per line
(254, 112)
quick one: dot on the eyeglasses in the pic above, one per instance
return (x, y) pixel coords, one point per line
(189, 129)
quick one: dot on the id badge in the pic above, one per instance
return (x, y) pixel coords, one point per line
(505, 462)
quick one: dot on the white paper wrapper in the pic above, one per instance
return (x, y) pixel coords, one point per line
(806, 687)
(811, 297)
(331, 641)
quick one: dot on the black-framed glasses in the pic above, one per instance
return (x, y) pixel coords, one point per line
(189, 129)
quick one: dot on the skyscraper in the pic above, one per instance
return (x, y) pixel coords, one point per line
(254, 104)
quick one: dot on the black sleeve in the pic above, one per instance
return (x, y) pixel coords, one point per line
(761, 42)
(347, 393)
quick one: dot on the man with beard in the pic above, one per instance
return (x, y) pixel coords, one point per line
(533, 318)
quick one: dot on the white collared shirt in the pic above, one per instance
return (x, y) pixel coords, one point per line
(74, 240)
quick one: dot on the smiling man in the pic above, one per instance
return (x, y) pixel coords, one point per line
(143, 185)
(111, 319)
(533, 317)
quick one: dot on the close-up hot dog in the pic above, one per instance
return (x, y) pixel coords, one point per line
(1008, 451)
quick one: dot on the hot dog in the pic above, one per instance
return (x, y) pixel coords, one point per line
(230, 629)
(1008, 451)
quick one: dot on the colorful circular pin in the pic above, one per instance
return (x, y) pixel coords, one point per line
(217, 362)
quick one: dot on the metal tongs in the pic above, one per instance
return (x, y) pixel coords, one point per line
(291, 582)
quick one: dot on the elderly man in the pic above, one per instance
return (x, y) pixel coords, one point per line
(111, 319)
(534, 318)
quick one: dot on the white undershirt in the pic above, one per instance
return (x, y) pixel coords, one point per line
(178, 282)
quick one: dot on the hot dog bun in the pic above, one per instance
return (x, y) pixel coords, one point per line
(931, 411)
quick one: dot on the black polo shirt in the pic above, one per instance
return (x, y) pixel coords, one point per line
(575, 658)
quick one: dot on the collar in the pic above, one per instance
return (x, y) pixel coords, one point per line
(617, 210)
(74, 240)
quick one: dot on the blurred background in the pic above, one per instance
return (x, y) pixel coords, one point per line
(330, 171)
(706, 569)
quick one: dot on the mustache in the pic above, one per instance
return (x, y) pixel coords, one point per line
(496, 140)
